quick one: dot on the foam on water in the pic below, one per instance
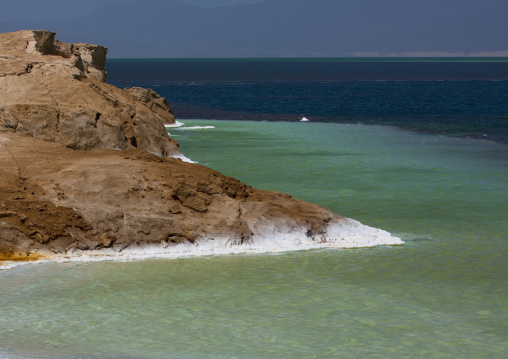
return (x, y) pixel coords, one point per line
(181, 126)
(197, 128)
(172, 125)
(183, 158)
(10, 265)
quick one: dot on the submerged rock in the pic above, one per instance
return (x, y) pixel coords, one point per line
(65, 194)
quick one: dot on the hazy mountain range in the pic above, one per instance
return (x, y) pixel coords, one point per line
(275, 28)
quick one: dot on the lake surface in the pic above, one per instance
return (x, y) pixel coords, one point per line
(443, 294)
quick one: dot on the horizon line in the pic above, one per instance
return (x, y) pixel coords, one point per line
(326, 58)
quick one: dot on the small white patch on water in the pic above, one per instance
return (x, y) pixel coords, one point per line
(197, 128)
(172, 125)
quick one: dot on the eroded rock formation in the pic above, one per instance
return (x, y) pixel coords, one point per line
(56, 91)
(64, 193)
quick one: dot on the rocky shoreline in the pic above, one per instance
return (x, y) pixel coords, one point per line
(88, 172)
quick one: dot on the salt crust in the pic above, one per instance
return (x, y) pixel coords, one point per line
(347, 233)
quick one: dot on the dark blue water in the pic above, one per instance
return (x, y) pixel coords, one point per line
(461, 98)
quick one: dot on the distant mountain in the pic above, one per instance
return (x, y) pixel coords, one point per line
(275, 28)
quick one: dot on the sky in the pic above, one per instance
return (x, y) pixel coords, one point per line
(214, 3)
(36, 10)
(270, 28)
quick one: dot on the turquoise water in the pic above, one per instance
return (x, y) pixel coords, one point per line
(441, 295)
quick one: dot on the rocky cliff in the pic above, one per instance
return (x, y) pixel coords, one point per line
(56, 92)
(65, 194)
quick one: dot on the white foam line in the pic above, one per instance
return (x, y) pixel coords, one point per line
(182, 157)
(197, 128)
(176, 155)
(10, 265)
(347, 233)
(172, 125)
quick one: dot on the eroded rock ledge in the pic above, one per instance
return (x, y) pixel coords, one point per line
(64, 193)
(58, 201)
(56, 92)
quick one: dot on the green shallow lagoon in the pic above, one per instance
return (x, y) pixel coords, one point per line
(444, 294)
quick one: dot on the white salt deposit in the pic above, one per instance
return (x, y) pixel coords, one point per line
(347, 233)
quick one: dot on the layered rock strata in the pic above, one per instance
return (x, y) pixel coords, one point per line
(65, 194)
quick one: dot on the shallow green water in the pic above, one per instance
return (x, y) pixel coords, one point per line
(441, 295)
(404, 182)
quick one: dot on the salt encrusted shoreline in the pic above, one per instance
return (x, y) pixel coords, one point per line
(351, 234)
(68, 193)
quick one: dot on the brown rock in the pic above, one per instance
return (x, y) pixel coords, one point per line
(63, 192)
(57, 200)
(56, 91)
(152, 99)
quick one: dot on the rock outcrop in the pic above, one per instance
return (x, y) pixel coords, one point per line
(56, 92)
(55, 201)
(64, 193)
